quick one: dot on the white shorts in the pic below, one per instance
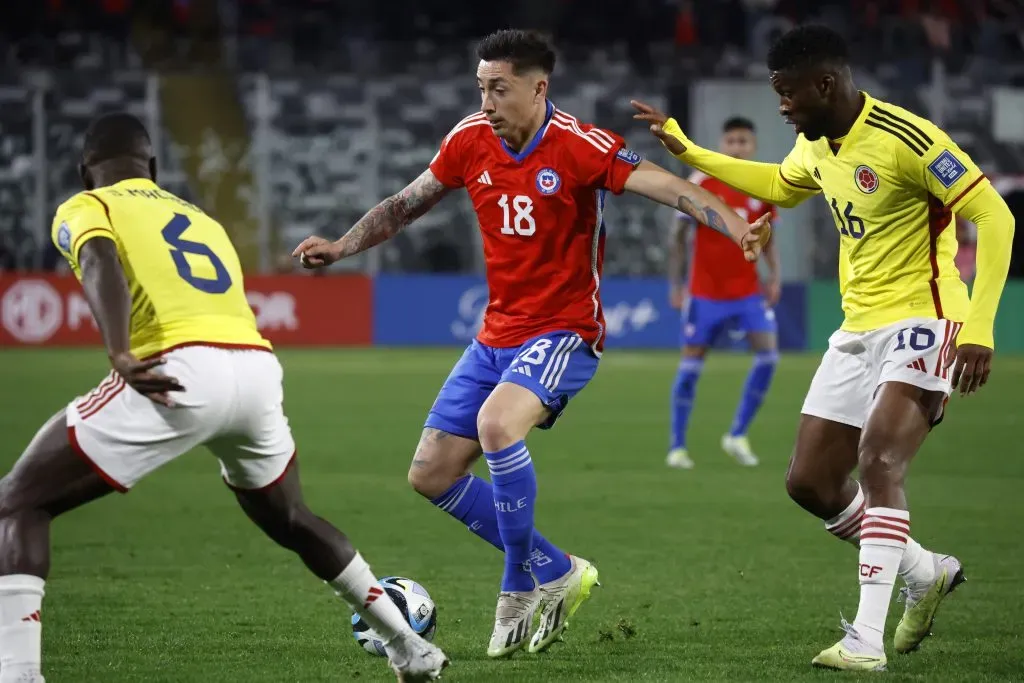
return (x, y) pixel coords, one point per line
(232, 403)
(912, 351)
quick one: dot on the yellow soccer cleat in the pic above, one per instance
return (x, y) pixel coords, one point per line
(919, 614)
(850, 654)
(561, 598)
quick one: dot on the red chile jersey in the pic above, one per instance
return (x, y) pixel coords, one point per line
(718, 269)
(540, 214)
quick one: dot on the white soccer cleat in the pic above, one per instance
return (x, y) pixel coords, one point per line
(560, 600)
(513, 620)
(679, 459)
(414, 660)
(739, 448)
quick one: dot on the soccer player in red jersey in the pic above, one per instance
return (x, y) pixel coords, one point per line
(724, 293)
(538, 179)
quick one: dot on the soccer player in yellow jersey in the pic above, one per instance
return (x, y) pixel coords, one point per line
(911, 335)
(189, 369)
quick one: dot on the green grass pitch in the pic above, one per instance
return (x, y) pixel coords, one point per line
(708, 575)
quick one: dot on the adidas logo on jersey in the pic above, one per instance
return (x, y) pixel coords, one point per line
(485, 178)
(523, 370)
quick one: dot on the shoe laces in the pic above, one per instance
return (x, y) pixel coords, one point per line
(513, 606)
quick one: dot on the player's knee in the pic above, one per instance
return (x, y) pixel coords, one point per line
(496, 430)
(12, 501)
(427, 480)
(878, 462)
(802, 489)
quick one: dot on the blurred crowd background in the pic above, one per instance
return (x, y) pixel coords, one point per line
(290, 118)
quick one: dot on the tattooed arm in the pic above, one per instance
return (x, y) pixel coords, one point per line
(380, 223)
(654, 182)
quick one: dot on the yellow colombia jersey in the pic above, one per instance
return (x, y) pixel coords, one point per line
(892, 186)
(182, 270)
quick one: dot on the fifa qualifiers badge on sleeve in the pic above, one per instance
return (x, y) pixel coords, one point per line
(64, 238)
(629, 156)
(947, 168)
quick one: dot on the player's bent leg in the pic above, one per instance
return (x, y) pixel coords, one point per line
(825, 454)
(553, 368)
(279, 510)
(48, 479)
(507, 416)
(684, 390)
(900, 420)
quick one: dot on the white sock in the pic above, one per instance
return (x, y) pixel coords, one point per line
(846, 525)
(917, 568)
(21, 630)
(359, 588)
(883, 538)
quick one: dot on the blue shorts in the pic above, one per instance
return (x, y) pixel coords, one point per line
(554, 366)
(705, 319)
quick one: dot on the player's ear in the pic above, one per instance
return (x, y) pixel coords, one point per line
(152, 168)
(827, 85)
(541, 89)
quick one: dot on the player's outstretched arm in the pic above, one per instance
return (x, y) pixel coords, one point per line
(652, 181)
(380, 223)
(106, 290)
(754, 178)
(988, 211)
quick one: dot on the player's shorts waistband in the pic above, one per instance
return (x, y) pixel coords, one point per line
(211, 345)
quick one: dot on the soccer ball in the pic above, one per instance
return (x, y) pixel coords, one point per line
(412, 601)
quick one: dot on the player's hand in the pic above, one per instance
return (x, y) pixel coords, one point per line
(317, 252)
(756, 237)
(772, 292)
(140, 376)
(677, 297)
(971, 366)
(656, 119)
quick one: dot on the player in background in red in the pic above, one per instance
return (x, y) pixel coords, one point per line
(538, 179)
(725, 293)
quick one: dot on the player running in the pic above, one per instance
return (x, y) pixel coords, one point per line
(893, 181)
(537, 178)
(189, 368)
(724, 293)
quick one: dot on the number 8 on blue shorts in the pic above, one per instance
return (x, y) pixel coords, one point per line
(554, 366)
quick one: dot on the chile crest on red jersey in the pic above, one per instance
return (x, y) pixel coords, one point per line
(548, 181)
(540, 210)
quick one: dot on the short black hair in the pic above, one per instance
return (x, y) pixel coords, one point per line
(116, 135)
(805, 46)
(738, 123)
(524, 49)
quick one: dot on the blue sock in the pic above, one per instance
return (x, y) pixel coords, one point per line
(514, 484)
(758, 380)
(471, 501)
(683, 391)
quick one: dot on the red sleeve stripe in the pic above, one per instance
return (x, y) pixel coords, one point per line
(790, 182)
(81, 238)
(964, 193)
